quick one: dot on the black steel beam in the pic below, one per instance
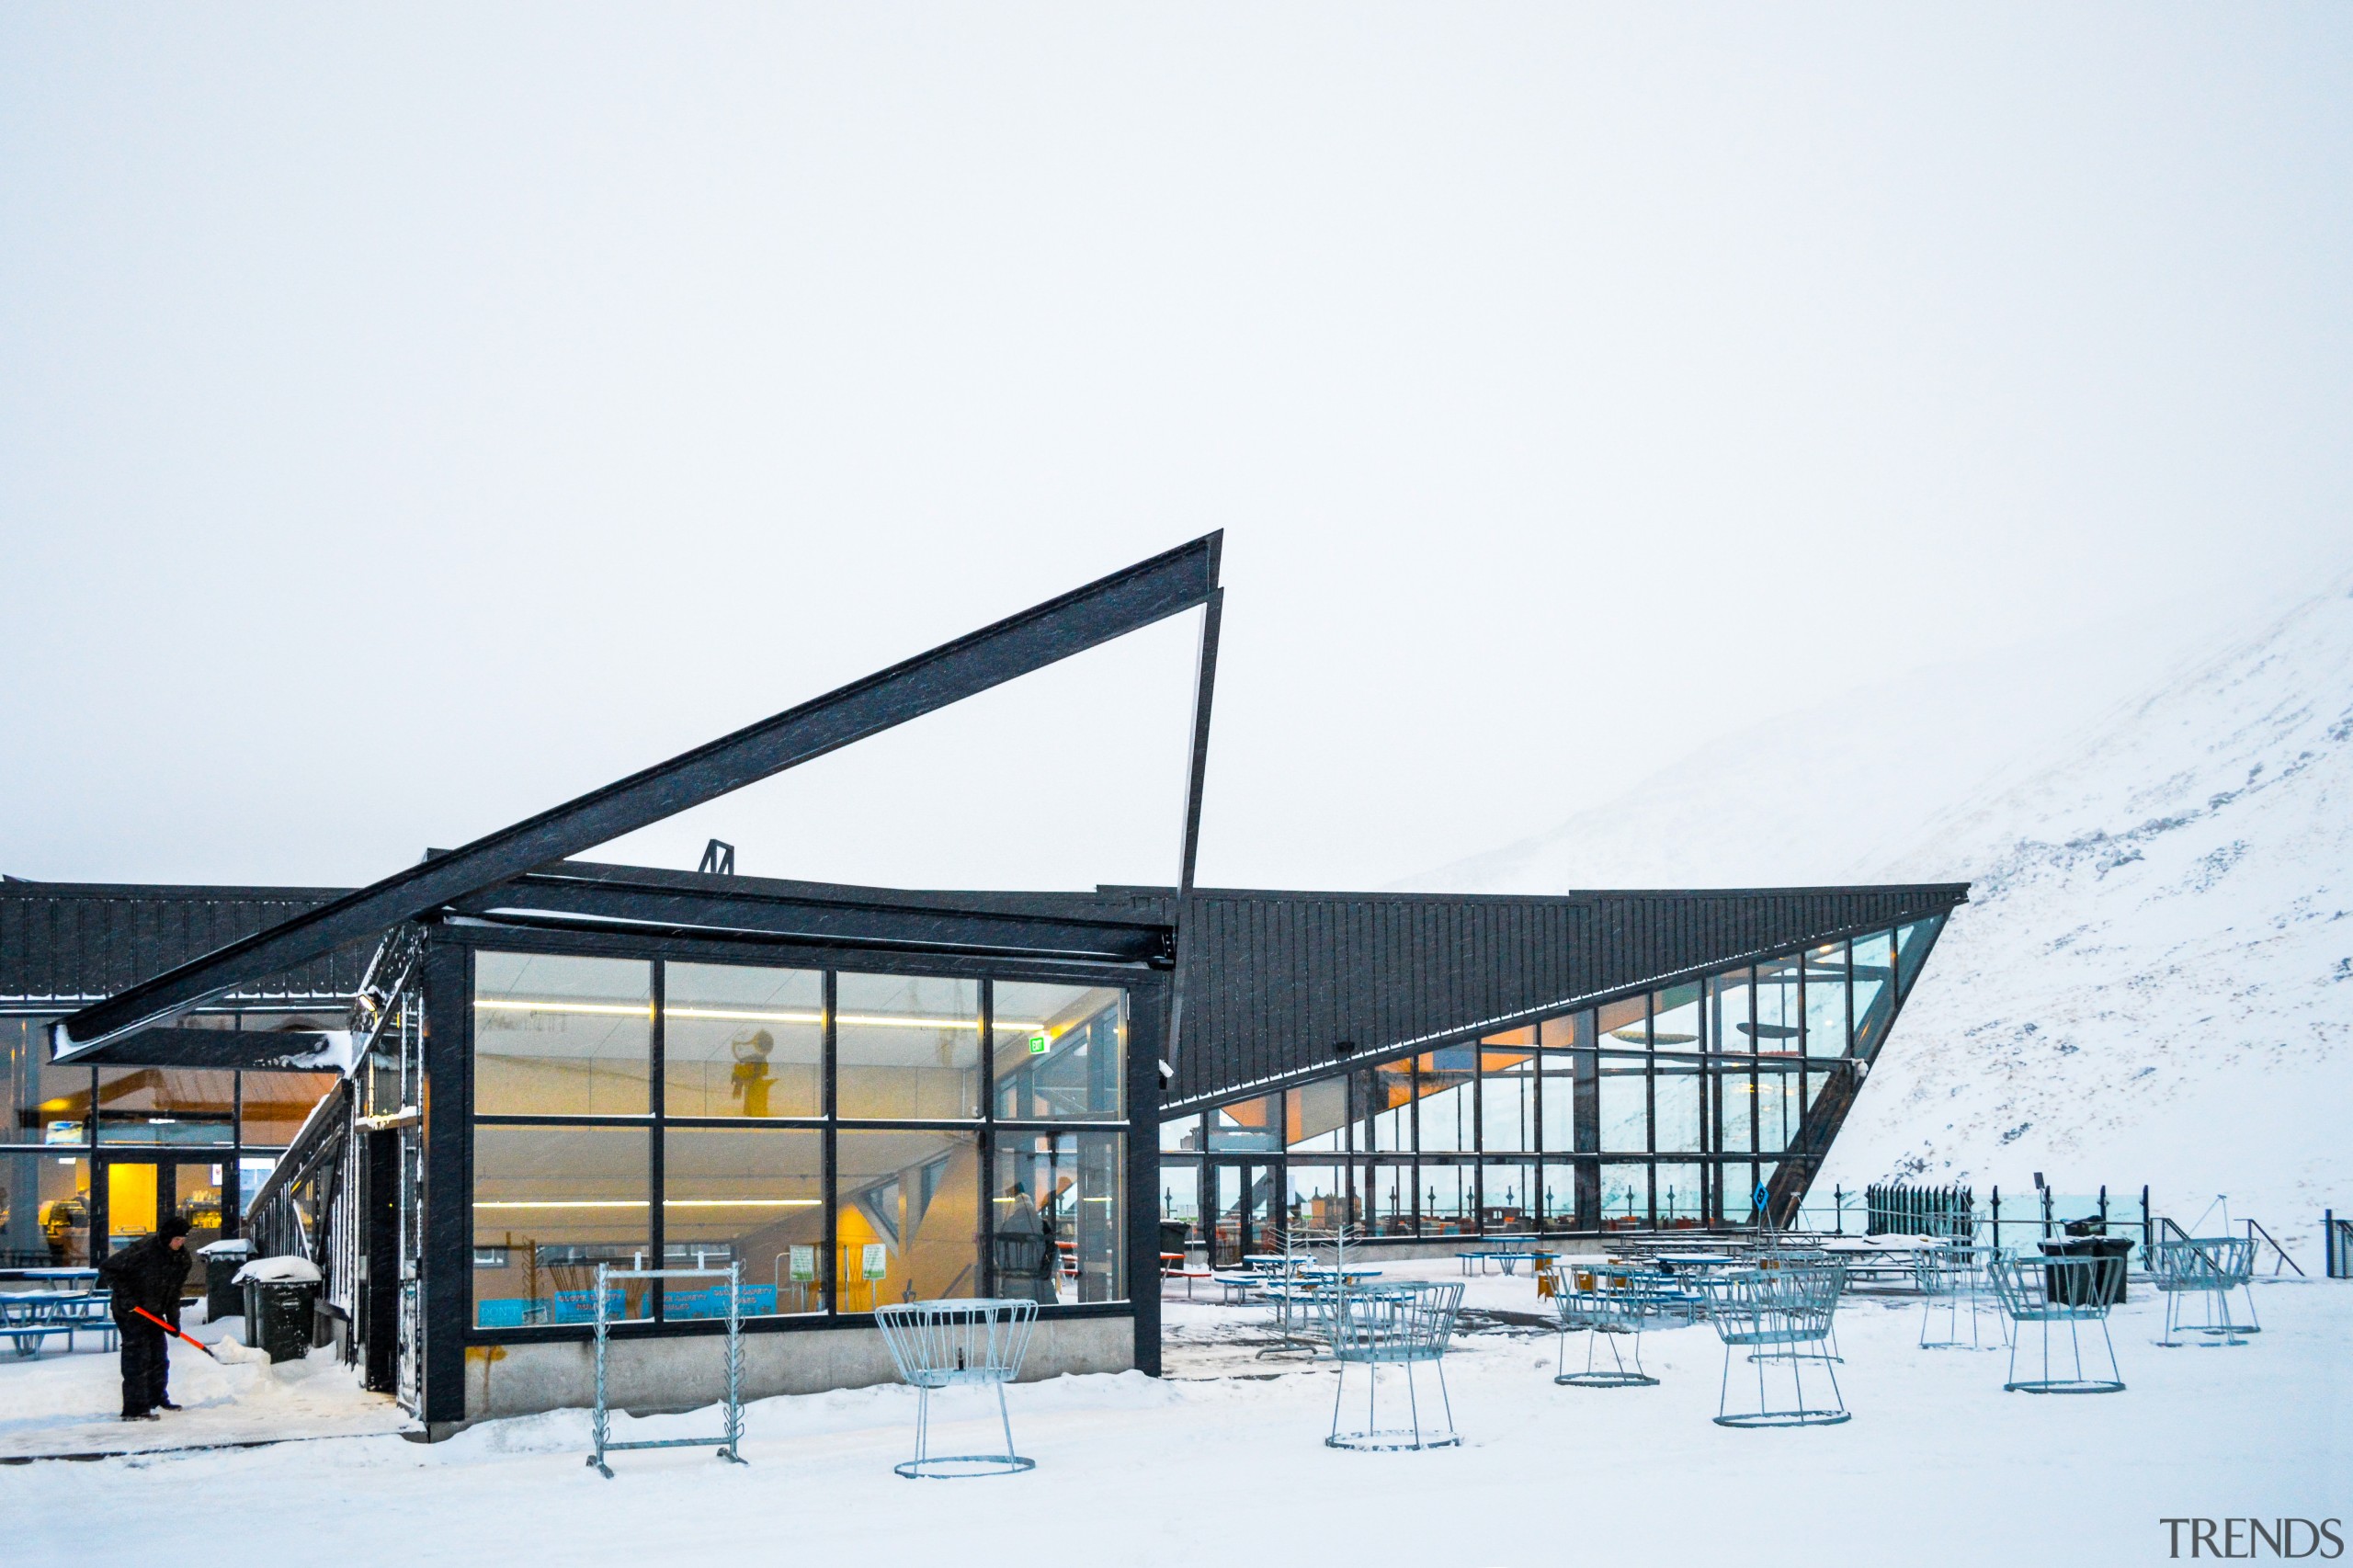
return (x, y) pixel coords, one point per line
(254, 1050)
(876, 923)
(1125, 601)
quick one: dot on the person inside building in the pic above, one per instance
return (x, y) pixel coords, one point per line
(148, 1273)
(1027, 1268)
(750, 1080)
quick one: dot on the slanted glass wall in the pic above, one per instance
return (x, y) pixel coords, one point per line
(1670, 1108)
(826, 1129)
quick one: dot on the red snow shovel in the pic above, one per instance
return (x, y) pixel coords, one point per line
(174, 1333)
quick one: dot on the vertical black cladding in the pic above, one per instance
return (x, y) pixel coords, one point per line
(1284, 975)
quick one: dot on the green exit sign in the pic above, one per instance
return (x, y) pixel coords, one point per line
(1037, 1044)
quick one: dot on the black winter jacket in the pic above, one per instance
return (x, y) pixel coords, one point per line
(148, 1273)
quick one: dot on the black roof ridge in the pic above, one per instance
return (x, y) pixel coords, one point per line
(21, 887)
(1572, 896)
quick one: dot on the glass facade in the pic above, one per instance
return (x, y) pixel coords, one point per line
(644, 1108)
(111, 1151)
(1667, 1108)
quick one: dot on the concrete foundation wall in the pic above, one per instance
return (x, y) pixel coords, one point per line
(644, 1376)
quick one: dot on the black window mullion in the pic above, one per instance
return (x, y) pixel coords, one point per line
(828, 1184)
(988, 1135)
(654, 1105)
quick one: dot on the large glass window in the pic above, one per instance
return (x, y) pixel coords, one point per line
(1732, 1029)
(1315, 1117)
(1444, 1080)
(1735, 1102)
(1390, 1104)
(1625, 1195)
(277, 1104)
(1681, 1205)
(751, 1195)
(167, 1105)
(1625, 1025)
(45, 1210)
(1780, 1025)
(1674, 1019)
(1508, 1197)
(1778, 1107)
(1825, 1000)
(907, 1046)
(1874, 970)
(550, 1204)
(1450, 1199)
(1563, 1208)
(46, 1104)
(1912, 944)
(1386, 1193)
(739, 1041)
(1180, 1207)
(1252, 1126)
(1677, 1087)
(1507, 1093)
(1060, 1052)
(1625, 1104)
(1073, 1186)
(556, 1035)
(907, 1212)
(1318, 1200)
(1181, 1135)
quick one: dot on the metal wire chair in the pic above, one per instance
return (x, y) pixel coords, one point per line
(1398, 1324)
(2209, 1266)
(1952, 1282)
(938, 1344)
(2071, 1290)
(1782, 1317)
(1615, 1303)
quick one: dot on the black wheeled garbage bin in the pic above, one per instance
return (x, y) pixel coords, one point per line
(277, 1316)
(2100, 1286)
(224, 1297)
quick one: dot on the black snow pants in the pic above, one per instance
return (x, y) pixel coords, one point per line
(146, 1366)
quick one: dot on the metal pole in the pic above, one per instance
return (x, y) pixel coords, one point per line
(1997, 1216)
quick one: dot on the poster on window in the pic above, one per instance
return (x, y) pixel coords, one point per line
(877, 1260)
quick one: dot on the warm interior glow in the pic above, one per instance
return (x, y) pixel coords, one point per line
(639, 1204)
(753, 1015)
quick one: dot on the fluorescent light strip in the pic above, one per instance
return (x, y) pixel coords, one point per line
(666, 1203)
(870, 1020)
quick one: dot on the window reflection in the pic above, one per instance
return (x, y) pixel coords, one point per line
(550, 1204)
(738, 1040)
(556, 1035)
(907, 1045)
(1825, 1000)
(1060, 1052)
(907, 1214)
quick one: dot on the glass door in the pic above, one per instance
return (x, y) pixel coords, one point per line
(1243, 1194)
(143, 1190)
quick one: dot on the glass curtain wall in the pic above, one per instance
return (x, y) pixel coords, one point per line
(195, 1143)
(1669, 1108)
(827, 1129)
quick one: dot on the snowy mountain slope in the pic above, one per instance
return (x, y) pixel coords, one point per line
(1834, 790)
(2154, 980)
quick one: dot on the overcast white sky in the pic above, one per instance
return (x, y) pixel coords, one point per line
(411, 416)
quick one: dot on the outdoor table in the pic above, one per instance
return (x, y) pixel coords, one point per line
(53, 1278)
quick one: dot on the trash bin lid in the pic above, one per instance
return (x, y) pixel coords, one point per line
(234, 1247)
(279, 1272)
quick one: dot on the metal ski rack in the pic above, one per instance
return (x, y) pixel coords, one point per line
(733, 1405)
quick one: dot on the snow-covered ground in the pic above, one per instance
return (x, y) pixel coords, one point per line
(1937, 1466)
(70, 1403)
(2154, 980)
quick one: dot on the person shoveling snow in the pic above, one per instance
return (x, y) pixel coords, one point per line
(145, 1278)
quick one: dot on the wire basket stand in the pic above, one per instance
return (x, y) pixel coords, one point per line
(600, 1425)
(1612, 1304)
(2071, 1290)
(1953, 1283)
(1403, 1325)
(2209, 1266)
(1782, 1317)
(937, 1344)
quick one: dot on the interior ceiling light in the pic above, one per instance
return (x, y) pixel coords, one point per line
(745, 1014)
